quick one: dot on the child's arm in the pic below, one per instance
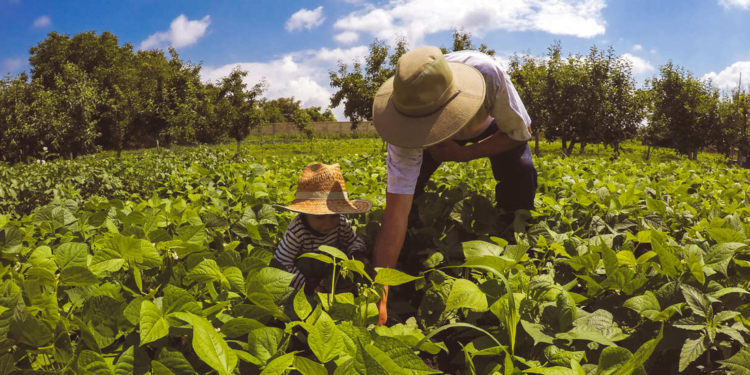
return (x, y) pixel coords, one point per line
(286, 253)
(355, 246)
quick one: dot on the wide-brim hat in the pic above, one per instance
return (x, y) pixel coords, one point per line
(428, 100)
(321, 190)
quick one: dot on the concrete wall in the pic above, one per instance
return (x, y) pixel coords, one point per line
(318, 127)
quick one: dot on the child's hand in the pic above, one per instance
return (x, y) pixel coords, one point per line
(320, 289)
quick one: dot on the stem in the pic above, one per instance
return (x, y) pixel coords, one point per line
(333, 286)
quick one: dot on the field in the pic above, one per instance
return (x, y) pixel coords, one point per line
(160, 262)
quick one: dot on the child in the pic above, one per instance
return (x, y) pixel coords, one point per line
(322, 202)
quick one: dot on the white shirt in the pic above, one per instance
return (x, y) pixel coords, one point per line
(504, 105)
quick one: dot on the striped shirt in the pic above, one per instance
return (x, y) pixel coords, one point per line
(301, 238)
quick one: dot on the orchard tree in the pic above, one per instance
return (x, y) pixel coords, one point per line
(683, 109)
(462, 41)
(237, 107)
(356, 89)
(529, 76)
(302, 120)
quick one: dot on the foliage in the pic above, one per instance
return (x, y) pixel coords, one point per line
(625, 267)
(588, 99)
(357, 88)
(683, 109)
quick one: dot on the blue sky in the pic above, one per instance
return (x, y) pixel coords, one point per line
(293, 44)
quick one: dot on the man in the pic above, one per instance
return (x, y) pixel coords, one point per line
(439, 104)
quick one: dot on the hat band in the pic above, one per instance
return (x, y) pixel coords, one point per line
(455, 94)
(321, 195)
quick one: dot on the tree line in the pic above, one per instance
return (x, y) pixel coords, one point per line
(585, 99)
(88, 93)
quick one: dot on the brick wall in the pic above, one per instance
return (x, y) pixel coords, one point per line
(338, 127)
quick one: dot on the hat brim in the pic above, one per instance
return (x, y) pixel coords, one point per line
(416, 132)
(327, 206)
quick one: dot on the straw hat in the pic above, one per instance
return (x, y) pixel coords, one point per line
(428, 100)
(321, 190)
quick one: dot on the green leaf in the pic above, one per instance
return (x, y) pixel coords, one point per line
(697, 301)
(641, 355)
(724, 291)
(133, 361)
(656, 205)
(240, 327)
(566, 308)
(477, 249)
(301, 306)
(646, 305)
(320, 257)
(279, 365)
(308, 367)
(139, 251)
(739, 363)
(173, 361)
(724, 235)
(536, 332)
(208, 345)
(178, 300)
(11, 240)
(7, 365)
(324, 339)
(466, 294)
(29, 330)
(72, 254)
(403, 356)
(93, 363)
(613, 359)
(390, 276)
(719, 256)
(78, 276)
(263, 343)
(492, 264)
(691, 350)
(334, 252)
(275, 282)
(669, 261)
(588, 336)
(153, 326)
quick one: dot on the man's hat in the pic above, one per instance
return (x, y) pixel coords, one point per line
(321, 190)
(428, 100)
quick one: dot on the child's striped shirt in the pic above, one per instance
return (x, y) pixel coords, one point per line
(301, 238)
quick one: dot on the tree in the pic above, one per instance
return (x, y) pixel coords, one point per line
(529, 77)
(683, 109)
(317, 116)
(302, 120)
(357, 88)
(462, 41)
(238, 108)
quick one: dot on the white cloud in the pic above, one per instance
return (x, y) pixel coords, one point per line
(305, 19)
(302, 74)
(744, 4)
(414, 19)
(637, 47)
(346, 37)
(182, 32)
(640, 66)
(730, 76)
(43, 21)
(12, 65)
(653, 51)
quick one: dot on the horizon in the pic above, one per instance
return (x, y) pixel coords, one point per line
(295, 44)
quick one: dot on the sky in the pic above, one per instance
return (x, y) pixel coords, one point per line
(294, 44)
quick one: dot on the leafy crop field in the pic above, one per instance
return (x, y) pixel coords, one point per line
(161, 264)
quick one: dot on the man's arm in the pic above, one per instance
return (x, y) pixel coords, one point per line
(390, 239)
(490, 146)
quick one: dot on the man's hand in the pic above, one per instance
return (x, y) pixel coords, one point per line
(447, 151)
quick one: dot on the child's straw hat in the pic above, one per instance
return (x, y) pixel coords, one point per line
(321, 191)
